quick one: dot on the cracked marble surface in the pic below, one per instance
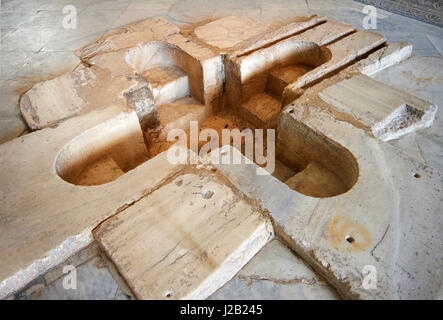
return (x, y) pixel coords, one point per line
(276, 273)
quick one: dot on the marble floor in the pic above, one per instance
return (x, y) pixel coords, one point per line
(35, 46)
(274, 273)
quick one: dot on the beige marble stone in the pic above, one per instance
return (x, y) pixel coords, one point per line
(317, 181)
(392, 54)
(338, 236)
(156, 29)
(342, 53)
(168, 84)
(228, 31)
(48, 218)
(262, 110)
(279, 78)
(52, 101)
(276, 273)
(121, 64)
(77, 259)
(388, 112)
(275, 34)
(343, 199)
(185, 240)
(11, 128)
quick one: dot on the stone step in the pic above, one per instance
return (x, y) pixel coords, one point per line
(283, 172)
(168, 84)
(184, 240)
(316, 181)
(175, 115)
(279, 78)
(262, 110)
(178, 114)
(101, 171)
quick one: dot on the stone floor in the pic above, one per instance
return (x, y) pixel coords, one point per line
(35, 46)
(94, 280)
(274, 273)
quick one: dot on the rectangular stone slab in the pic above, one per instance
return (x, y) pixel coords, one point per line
(388, 210)
(186, 239)
(388, 111)
(393, 53)
(50, 102)
(262, 110)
